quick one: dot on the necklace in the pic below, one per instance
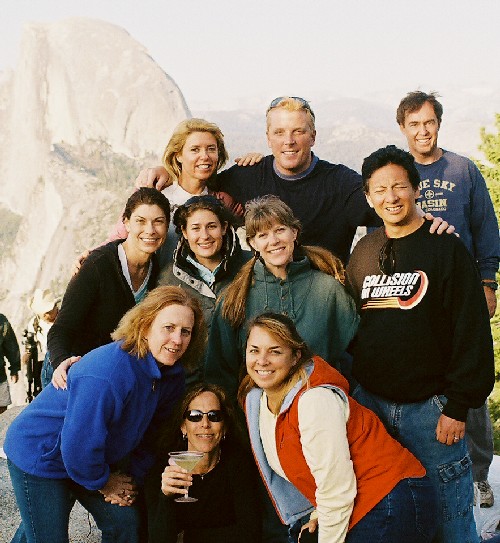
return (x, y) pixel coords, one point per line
(202, 475)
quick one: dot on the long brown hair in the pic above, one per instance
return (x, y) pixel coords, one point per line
(285, 333)
(134, 325)
(260, 214)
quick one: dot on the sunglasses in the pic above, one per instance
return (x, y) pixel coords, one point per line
(304, 103)
(195, 415)
(387, 258)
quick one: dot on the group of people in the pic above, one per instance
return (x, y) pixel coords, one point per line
(328, 391)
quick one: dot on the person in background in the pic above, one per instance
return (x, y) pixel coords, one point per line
(86, 443)
(111, 281)
(207, 257)
(321, 452)
(9, 349)
(44, 307)
(423, 353)
(303, 282)
(224, 481)
(452, 186)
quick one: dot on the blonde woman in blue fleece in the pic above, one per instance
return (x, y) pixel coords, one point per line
(85, 443)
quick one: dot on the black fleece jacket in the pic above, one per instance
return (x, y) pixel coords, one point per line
(95, 300)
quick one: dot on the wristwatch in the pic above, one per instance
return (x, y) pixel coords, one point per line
(490, 284)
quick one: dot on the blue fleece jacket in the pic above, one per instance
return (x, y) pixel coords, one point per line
(111, 400)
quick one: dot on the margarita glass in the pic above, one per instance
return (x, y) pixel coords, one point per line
(186, 460)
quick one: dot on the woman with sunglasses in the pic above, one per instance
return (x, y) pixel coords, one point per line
(321, 452)
(224, 481)
(303, 282)
(207, 257)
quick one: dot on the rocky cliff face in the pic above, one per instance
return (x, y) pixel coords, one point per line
(85, 108)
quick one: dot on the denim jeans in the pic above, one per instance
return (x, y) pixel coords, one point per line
(407, 514)
(47, 371)
(45, 506)
(448, 467)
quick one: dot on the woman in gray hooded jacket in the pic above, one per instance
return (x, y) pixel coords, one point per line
(207, 257)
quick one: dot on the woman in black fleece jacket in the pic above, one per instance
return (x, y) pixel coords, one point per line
(112, 280)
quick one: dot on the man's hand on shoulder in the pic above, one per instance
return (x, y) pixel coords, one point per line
(80, 259)
(249, 159)
(439, 225)
(157, 178)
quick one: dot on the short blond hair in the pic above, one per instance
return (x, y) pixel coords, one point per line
(292, 104)
(135, 324)
(181, 133)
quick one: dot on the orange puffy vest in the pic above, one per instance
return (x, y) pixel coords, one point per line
(379, 461)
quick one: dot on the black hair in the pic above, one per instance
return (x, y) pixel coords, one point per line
(208, 202)
(146, 196)
(389, 155)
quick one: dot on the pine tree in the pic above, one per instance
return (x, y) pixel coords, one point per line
(490, 146)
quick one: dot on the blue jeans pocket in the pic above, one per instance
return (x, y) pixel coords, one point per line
(47, 371)
(455, 486)
(426, 505)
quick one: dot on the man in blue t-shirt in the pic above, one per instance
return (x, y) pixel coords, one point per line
(452, 187)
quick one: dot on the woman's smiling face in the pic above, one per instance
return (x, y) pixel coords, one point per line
(170, 333)
(268, 360)
(198, 157)
(205, 435)
(204, 234)
(275, 245)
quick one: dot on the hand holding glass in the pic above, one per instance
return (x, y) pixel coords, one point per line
(186, 460)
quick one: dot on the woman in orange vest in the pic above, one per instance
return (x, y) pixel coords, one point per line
(327, 461)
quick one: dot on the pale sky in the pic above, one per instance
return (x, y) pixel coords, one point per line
(227, 54)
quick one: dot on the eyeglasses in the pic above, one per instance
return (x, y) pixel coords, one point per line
(387, 258)
(195, 415)
(304, 103)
